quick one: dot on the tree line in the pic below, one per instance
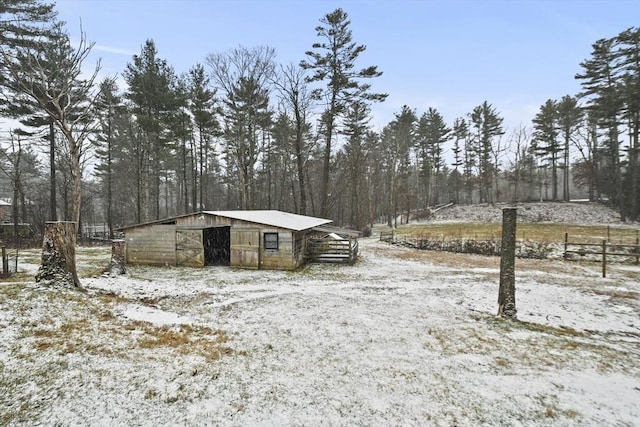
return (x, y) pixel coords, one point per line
(241, 131)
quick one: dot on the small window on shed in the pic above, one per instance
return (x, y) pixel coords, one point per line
(271, 241)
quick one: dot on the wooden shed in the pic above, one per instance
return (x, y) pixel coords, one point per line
(257, 239)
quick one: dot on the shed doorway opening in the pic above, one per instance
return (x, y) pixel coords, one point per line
(217, 245)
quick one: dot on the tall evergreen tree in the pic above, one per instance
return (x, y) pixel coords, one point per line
(152, 92)
(243, 76)
(110, 111)
(333, 60)
(601, 89)
(461, 134)
(202, 105)
(431, 133)
(488, 125)
(356, 151)
(569, 116)
(29, 24)
(629, 63)
(247, 117)
(397, 139)
(545, 136)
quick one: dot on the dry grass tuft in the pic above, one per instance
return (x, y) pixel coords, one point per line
(186, 339)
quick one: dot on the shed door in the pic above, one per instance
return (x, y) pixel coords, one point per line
(245, 248)
(189, 248)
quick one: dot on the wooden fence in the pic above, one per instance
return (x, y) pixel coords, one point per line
(332, 250)
(9, 263)
(601, 250)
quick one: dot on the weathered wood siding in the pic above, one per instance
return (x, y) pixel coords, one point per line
(182, 243)
(151, 245)
(189, 248)
(245, 247)
(281, 259)
(205, 221)
(299, 243)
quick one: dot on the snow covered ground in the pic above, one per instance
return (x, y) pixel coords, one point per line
(557, 212)
(400, 338)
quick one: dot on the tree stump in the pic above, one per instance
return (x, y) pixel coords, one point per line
(507, 292)
(118, 264)
(58, 266)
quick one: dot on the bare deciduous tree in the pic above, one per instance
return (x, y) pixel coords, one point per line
(296, 99)
(53, 78)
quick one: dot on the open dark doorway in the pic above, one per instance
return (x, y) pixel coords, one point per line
(217, 245)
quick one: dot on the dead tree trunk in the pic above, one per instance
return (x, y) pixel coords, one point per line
(58, 266)
(507, 292)
(117, 265)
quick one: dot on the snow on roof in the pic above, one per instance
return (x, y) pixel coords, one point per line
(274, 218)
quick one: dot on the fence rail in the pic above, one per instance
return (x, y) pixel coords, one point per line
(332, 250)
(602, 249)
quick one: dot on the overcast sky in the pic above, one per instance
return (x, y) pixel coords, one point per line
(451, 55)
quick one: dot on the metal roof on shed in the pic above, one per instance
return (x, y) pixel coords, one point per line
(274, 218)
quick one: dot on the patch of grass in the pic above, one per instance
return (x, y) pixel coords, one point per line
(186, 339)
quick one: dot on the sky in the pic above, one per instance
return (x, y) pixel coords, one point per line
(450, 55)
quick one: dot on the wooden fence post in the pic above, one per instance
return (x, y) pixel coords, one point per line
(604, 258)
(507, 291)
(5, 262)
(566, 243)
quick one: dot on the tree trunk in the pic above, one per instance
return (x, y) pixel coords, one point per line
(52, 173)
(507, 291)
(118, 261)
(326, 161)
(58, 266)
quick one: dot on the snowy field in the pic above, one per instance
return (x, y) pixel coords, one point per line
(400, 338)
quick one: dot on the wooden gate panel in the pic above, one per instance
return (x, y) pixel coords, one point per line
(245, 248)
(189, 248)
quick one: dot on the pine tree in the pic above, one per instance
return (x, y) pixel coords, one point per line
(569, 116)
(356, 128)
(488, 125)
(202, 105)
(23, 24)
(27, 24)
(629, 63)
(432, 132)
(545, 135)
(333, 60)
(397, 139)
(152, 92)
(110, 136)
(243, 77)
(247, 115)
(601, 89)
(461, 134)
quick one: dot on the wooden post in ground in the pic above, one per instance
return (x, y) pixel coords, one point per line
(58, 266)
(604, 258)
(507, 291)
(5, 262)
